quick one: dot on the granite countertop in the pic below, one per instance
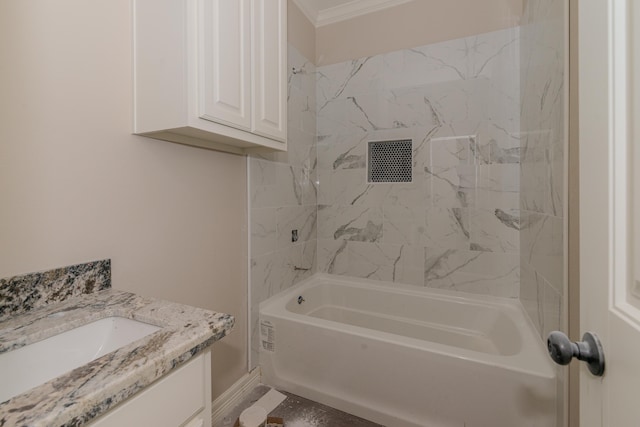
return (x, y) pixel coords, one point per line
(89, 391)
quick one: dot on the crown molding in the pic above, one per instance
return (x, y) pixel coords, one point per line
(307, 10)
(348, 10)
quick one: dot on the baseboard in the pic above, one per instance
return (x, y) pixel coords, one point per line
(234, 395)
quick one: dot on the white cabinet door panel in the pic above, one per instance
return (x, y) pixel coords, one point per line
(270, 68)
(225, 69)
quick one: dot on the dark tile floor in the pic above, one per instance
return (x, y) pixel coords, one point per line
(299, 412)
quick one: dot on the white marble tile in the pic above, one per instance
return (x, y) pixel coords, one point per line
(491, 264)
(297, 263)
(343, 186)
(366, 112)
(301, 149)
(403, 225)
(497, 145)
(451, 173)
(551, 310)
(459, 102)
(344, 151)
(451, 188)
(542, 182)
(325, 192)
(534, 174)
(499, 177)
(542, 92)
(532, 294)
(494, 230)
(410, 107)
(408, 195)
(300, 109)
(498, 187)
(309, 186)
(263, 186)
(276, 184)
(493, 52)
(350, 187)
(263, 231)
(447, 60)
(300, 218)
(491, 200)
(265, 277)
(503, 105)
(392, 263)
(350, 78)
(309, 117)
(386, 262)
(333, 256)
(334, 118)
(304, 80)
(543, 246)
(370, 112)
(445, 153)
(447, 228)
(301, 94)
(358, 223)
(472, 271)
(289, 180)
(460, 105)
(411, 67)
(543, 118)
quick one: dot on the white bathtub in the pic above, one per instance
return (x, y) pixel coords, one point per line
(406, 356)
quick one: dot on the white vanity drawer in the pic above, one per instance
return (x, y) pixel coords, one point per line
(170, 401)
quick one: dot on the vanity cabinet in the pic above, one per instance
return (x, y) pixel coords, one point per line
(180, 399)
(211, 73)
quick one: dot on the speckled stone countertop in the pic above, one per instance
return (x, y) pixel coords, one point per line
(77, 397)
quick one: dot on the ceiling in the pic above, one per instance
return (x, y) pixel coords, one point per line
(324, 12)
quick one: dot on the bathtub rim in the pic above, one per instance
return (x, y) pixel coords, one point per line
(531, 360)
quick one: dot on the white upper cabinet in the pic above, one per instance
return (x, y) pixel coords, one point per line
(211, 73)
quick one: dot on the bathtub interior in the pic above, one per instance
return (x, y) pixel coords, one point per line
(455, 322)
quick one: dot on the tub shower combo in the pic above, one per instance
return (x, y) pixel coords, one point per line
(424, 187)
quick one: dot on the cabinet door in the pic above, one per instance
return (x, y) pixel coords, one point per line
(225, 67)
(270, 68)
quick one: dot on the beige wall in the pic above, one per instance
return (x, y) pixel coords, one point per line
(75, 185)
(301, 32)
(412, 24)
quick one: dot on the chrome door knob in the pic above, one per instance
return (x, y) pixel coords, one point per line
(562, 350)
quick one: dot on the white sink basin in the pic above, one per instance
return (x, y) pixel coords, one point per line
(37, 363)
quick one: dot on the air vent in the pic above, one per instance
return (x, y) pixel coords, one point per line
(390, 161)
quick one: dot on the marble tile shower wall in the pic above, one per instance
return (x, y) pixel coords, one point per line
(283, 198)
(543, 121)
(457, 224)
